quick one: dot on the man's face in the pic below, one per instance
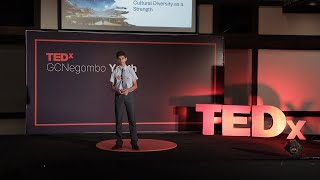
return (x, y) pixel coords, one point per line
(122, 60)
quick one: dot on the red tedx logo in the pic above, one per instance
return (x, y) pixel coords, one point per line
(59, 57)
(257, 114)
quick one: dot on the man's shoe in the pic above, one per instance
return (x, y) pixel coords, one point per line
(135, 147)
(117, 146)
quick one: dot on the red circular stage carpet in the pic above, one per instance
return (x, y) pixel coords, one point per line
(146, 145)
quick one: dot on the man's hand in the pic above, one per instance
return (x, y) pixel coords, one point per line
(119, 91)
(124, 91)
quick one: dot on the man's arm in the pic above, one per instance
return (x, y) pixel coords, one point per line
(134, 87)
(114, 89)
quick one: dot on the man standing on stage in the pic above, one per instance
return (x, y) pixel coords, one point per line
(123, 83)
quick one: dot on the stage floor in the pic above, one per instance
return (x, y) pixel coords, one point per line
(195, 157)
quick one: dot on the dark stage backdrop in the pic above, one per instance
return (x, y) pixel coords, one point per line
(69, 90)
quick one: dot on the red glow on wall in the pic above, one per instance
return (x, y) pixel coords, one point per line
(182, 113)
(200, 90)
(288, 79)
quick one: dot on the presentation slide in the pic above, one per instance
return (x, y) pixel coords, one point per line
(129, 15)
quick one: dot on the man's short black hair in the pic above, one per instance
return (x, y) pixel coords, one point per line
(120, 53)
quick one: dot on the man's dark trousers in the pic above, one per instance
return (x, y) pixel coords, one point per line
(128, 101)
